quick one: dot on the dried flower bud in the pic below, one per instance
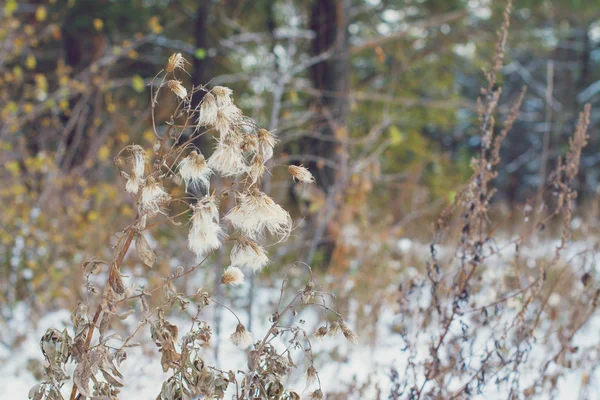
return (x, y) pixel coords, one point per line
(334, 328)
(301, 174)
(311, 375)
(176, 61)
(241, 337)
(206, 232)
(321, 332)
(308, 293)
(348, 333)
(233, 276)
(317, 395)
(177, 88)
(249, 143)
(247, 253)
(153, 197)
(195, 171)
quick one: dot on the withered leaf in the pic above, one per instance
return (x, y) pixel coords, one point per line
(144, 251)
(115, 281)
(113, 380)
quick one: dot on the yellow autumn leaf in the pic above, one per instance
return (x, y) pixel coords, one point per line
(30, 62)
(18, 73)
(13, 167)
(10, 7)
(137, 82)
(92, 216)
(149, 136)
(98, 24)
(104, 153)
(396, 136)
(155, 25)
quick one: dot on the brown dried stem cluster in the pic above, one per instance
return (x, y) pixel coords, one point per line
(475, 342)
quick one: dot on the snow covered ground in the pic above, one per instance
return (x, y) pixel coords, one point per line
(362, 362)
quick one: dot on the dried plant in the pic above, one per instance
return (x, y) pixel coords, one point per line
(241, 151)
(476, 312)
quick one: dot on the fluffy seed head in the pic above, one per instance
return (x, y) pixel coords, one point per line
(232, 276)
(334, 328)
(223, 95)
(348, 333)
(177, 88)
(301, 174)
(153, 198)
(195, 171)
(227, 159)
(208, 110)
(176, 61)
(133, 184)
(249, 143)
(321, 332)
(256, 212)
(266, 142)
(139, 160)
(241, 337)
(205, 233)
(311, 375)
(247, 253)
(227, 118)
(257, 168)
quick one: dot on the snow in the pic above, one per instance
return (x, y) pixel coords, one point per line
(365, 362)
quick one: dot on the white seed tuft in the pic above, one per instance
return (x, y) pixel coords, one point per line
(153, 198)
(257, 168)
(227, 159)
(232, 276)
(195, 171)
(206, 232)
(177, 88)
(256, 212)
(176, 61)
(247, 253)
(139, 160)
(266, 142)
(208, 111)
(300, 173)
(241, 337)
(133, 184)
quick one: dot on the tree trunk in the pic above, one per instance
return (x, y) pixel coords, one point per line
(328, 19)
(329, 22)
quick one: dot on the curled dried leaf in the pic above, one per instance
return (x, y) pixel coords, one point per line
(145, 252)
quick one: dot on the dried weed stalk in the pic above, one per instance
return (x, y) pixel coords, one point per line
(242, 149)
(463, 313)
